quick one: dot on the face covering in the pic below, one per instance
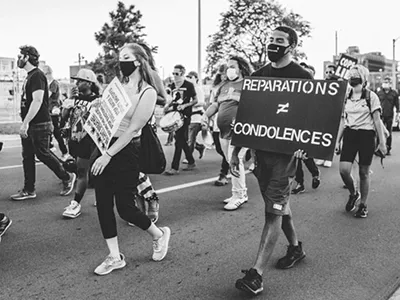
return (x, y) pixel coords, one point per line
(127, 67)
(84, 88)
(21, 63)
(354, 81)
(385, 85)
(231, 74)
(276, 52)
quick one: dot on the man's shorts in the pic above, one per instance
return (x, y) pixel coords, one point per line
(274, 181)
(358, 141)
(83, 148)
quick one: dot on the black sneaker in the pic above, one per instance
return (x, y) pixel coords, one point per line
(1, 145)
(251, 282)
(293, 255)
(351, 203)
(315, 182)
(299, 189)
(222, 180)
(362, 211)
(4, 225)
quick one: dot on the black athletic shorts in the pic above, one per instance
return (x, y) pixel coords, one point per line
(83, 148)
(358, 141)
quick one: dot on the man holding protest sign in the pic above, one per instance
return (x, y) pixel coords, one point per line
(274, 172)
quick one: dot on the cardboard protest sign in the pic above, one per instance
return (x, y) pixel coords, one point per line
(343, 66)
(104, 120)
(284, 115)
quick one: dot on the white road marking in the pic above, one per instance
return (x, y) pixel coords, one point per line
(16, 166)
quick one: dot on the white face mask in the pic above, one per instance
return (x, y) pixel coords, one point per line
(231, 74)
(385, 85)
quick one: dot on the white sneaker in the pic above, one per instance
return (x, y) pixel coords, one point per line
(160, 246)
(185, 161)
(110, 264)
(65, 156)
(236, 203)
(327, 164)
(73, 210)
(228, 199)
(319, 162)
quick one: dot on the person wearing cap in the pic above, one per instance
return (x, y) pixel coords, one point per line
(197, 113)
(80, 144)
(36, 129)
(55, 109)
(390, 102)
(359, 127)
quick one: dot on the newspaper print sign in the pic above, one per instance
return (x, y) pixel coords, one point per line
(105, 119)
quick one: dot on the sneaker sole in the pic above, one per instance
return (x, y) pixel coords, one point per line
(220, 183)
(23, 198)
(112, 269)
(237, 206)
(300, 192)
(294, 262)
(244, 287)
(5, 229)
(71, 216)
(168, 238)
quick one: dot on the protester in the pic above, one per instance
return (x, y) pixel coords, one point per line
(389, 99)
(36, 128)
(219, 79)
(329, 75)
(85, 92)
(5, 223)
(55, 109)
(360, 126)
(309, 162)
(226, 104)
(197, 113)
(274, 172)
(115, 171)
(183, 99)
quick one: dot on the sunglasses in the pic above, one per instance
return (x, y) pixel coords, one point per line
(189, 77)
(176, 74)
(329, 72)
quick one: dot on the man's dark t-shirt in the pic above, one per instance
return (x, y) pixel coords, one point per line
(389, 101)
(36, 80)
(292, 70)
(182, 95)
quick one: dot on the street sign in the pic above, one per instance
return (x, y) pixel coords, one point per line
(284, 115)
(344, 65)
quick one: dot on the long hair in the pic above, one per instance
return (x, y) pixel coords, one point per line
(244, 67)
(218, 77)
(149, 53)
(144, 68)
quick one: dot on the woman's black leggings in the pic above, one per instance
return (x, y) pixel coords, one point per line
(118, 181)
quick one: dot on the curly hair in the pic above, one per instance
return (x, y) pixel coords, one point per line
(245, 68)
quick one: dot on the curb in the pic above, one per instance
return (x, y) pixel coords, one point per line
(388, 290)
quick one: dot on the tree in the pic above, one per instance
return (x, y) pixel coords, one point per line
(124, 28)
(245, 28)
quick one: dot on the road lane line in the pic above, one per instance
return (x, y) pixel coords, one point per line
(16, 166)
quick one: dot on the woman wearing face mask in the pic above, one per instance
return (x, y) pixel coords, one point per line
(361, 125)
(116, 172)
(226, 102)
(80, 144)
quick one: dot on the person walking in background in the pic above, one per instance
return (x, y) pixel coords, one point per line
(226, 104)
(55, 109)
(36, 129)
(389, 99)
(116, 172)
(183, 99)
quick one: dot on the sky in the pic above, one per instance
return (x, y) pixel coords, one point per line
(62, 29)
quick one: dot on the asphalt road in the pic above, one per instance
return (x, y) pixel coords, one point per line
(44, 256)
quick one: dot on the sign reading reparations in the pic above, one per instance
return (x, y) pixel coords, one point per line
(284, 115)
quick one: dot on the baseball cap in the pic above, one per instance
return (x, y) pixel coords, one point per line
(85, 74)
(193, 73)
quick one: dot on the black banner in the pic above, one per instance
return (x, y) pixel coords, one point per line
(284, 115)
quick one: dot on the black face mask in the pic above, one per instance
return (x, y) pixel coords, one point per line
(354, 81)
(21, 63)
(127, 67)
(276, 52)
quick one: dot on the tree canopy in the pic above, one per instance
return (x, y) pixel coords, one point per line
(244, 30)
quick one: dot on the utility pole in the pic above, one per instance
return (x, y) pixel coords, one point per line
(394, 69)
(336, 43)
(80, 58)
(199, 41)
